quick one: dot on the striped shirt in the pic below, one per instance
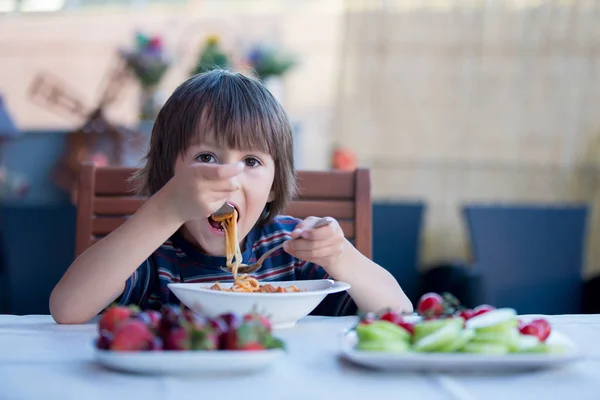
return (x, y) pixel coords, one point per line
(179, 261)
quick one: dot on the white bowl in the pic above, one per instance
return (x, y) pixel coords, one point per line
(284, 309)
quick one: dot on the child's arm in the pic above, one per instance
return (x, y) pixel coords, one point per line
(98, 276)
(373, 288)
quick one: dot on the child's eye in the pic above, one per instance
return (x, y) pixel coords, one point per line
(206, 158)
(251, 162)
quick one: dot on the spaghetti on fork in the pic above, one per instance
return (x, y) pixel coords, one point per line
(242, 283)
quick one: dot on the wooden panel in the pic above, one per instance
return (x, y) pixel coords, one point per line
(104, 225)
(119, 205)
(334, 209)
(325, 185)
(85, 188)
(113, 181)
(364, 218)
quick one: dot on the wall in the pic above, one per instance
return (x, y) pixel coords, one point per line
(78, 49)
(493, 102)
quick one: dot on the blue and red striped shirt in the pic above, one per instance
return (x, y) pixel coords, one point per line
(177, 260)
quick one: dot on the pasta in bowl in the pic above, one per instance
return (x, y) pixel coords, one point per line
(285, 308)
(284, 302)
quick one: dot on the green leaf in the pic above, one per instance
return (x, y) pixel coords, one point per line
(274, 343)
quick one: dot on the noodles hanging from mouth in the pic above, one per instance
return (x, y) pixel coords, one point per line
(233, 254)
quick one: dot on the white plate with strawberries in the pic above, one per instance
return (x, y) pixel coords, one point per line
(180, 341)
(442, 337)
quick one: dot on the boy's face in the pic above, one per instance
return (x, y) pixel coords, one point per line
(255, 184)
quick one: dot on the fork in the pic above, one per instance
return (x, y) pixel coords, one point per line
(226, 209)
(247, 269)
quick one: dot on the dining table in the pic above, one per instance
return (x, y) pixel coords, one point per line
(40, 359)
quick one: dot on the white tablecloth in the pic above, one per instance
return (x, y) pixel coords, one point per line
(42, 360)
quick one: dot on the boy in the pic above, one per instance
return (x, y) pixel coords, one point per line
(220, 137)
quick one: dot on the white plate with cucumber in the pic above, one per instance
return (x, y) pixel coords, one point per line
(495, 341)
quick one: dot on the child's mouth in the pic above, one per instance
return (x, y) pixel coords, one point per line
(217, 225)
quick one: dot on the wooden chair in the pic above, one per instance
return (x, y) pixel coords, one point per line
(105, 200)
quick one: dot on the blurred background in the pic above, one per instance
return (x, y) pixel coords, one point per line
(478, 120)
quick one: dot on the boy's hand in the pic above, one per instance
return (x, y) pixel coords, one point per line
(201, 189)
(322, 246)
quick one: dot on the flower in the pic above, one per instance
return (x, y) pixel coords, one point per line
(148, 60)
(212, 56)
(268, 61)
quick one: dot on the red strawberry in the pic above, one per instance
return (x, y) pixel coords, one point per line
(431, 305)
(177, 338)
(538, 327)
(482, 309)
(150, 318)
(229, 338)
(112, 317)
(391, 316)
(466, 314)
(154, 318)
(131, 335)
(410, 327)
(104, 340)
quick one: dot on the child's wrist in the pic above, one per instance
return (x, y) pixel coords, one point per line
(341, 263)
(162, 204)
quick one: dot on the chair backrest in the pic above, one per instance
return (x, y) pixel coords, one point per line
(105, 200)
(529, 257)
(397, 228)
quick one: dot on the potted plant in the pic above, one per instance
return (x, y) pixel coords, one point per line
(149, 62)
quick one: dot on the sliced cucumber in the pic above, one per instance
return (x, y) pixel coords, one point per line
(497, 319)
(501, 328)
(485, 348)
(507, 338)
(438, 339)
(381, 331)
(547, 348)
(525, 344)
(387, 347)
(426, 328)
(457, 344)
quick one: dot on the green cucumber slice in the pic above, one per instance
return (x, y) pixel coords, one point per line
(491, 320)
(426, 328)
(386, 347)
(457, 344)
(381, 331)
(438, 339)
(485, 348)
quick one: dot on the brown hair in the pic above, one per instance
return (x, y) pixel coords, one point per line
(239, 113)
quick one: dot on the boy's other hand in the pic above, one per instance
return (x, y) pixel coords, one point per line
(322, 246)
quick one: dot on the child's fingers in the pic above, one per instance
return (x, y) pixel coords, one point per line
(308, 245)
(225, 185)
(218, 171)
(317, 253)
(318, 234)
(307, 226)
(303, 225)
